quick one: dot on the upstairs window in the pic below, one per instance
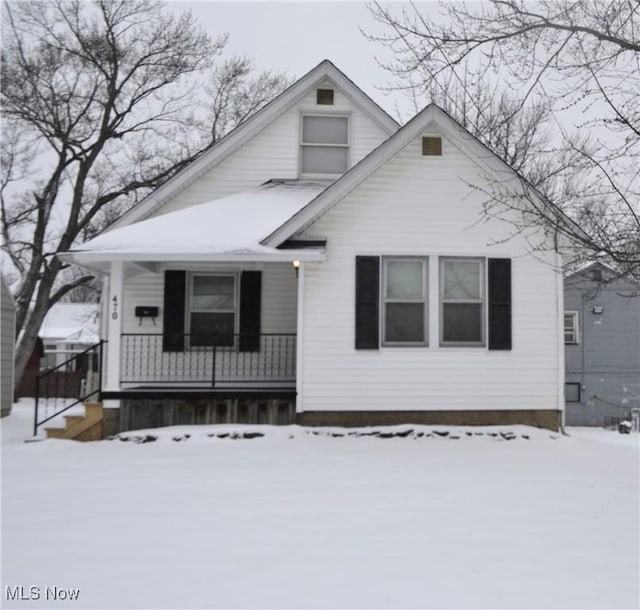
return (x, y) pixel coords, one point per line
(571, 327)
(324, 145)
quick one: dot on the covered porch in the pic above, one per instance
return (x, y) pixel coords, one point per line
(202, 322)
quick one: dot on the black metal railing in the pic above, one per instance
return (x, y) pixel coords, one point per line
(230, 359)
(613, 422)
(64, 386)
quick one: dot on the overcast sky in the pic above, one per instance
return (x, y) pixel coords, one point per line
(294, 36)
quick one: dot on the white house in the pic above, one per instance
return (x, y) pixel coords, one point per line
(323, 265)
(68, 329)
(7, 347)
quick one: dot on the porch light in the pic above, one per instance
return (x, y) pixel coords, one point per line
(296, 266)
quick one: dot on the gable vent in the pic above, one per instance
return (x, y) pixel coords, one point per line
(324, 97)
(432, 146)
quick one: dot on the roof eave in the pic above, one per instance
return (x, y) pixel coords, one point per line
(90, 259)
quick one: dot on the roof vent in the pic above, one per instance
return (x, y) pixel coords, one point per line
(431, 146)
(324, 97)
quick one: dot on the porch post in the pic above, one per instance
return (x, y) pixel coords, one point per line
(114, 332)
(300, 339)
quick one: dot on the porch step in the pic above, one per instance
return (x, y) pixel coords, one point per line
(79, 427)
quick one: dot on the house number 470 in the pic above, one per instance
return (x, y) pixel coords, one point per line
(114, 315)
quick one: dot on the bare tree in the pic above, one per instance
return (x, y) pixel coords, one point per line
(99, 106)
(574, 58)
(235, 93)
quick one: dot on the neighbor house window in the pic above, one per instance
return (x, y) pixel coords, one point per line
(324, 145)
(462, 301)
(572, 392)
(404, 301)
(212, 310)
(571, 327)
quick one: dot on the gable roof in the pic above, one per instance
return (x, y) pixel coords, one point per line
(324, 71)
(431, 117)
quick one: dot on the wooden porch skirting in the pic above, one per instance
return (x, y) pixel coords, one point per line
(544, 418)
(139, 413)
(136, 413)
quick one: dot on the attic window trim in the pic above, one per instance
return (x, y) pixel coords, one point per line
(431, 145)
(325, 96)
(331, 145)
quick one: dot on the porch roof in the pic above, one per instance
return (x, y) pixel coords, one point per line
(226, 229)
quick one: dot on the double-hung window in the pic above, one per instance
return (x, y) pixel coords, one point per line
(571, 327)
(212, 310)
(462, 301)
(324, 145)
(404, 299)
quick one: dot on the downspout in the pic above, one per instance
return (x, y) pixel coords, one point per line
(560, 341)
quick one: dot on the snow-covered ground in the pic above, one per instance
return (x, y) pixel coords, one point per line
(300, 520)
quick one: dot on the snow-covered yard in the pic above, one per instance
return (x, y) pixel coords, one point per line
(300, 520)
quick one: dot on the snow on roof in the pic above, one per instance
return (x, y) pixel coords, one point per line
(72, 323)
(231, 225)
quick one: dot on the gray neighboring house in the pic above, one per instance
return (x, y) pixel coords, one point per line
(7, 347)
(602, 346)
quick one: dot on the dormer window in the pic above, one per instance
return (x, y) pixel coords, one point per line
(324, 97)
(324, 145)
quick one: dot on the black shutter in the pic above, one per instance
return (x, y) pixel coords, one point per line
(173, 314)
(250, 305)
(499, 303)
(367, 302)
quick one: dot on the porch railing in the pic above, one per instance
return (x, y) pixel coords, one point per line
(64, 386)
(233, 359)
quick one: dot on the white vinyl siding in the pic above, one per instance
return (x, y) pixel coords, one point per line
(412, 208)
(278, 312)
(275, 152)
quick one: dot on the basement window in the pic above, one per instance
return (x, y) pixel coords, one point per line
(431, 146)
(572, 392)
